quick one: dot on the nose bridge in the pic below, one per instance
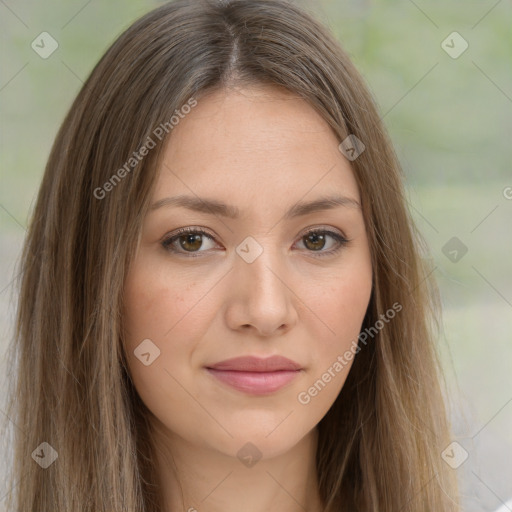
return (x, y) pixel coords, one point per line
(259, 263)
(260, 284)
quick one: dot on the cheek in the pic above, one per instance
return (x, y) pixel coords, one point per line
(342, 305)
(342, 308)
(157, 307)
(340, 311)
(173, 311)
(166, 315)
(348, 305)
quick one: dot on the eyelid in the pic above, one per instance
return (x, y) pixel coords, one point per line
(327, 229)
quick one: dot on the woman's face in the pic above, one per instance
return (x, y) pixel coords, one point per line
(253, 284)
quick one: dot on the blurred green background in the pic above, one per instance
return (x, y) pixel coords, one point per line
(449, 118)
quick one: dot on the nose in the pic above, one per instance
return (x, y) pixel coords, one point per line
(261, 297)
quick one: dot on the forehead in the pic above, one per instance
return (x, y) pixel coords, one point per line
(254, 143)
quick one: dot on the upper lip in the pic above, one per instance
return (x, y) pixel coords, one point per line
(257, 364)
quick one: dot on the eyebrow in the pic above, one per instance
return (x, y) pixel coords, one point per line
(218, 208)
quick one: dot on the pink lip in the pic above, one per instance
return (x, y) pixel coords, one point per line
(254, 375)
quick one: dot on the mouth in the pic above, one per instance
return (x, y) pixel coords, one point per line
(254, 375)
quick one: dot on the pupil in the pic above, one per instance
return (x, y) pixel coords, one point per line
(315, 237)
(191, 239)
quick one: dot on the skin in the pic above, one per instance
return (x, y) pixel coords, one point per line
(262, 150)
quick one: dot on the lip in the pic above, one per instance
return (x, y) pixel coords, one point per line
(255, 375)
(257, 364)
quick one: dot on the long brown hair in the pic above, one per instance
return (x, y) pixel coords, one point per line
(380, 443)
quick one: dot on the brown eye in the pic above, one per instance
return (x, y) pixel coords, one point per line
(318, 239)
(314, 241)
(188, 242)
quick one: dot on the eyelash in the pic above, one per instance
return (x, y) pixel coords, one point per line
(169, 241)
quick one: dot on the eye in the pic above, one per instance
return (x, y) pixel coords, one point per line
(316, 240)
(188, 239)
(188, 242)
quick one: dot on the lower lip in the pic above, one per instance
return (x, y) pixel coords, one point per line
(255, 383)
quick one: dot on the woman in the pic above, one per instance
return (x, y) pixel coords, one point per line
(222, 302)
